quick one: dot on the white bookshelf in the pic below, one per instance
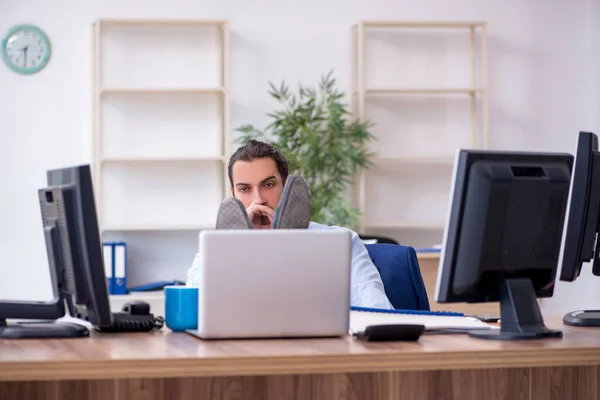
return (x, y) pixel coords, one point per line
(161, 131)
(424, 85)
(161, 122)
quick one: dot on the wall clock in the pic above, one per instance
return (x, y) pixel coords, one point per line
(25, 49)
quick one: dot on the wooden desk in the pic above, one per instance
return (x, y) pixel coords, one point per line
(166, 365)
(429, 262)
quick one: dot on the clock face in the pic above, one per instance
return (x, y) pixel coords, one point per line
(25, 49)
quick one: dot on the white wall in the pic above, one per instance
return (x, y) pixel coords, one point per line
(583, 293)
(540, 86)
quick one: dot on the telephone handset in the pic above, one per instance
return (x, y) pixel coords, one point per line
(135, 316)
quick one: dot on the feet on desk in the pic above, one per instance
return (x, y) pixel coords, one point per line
(232, 215)
(292, 212)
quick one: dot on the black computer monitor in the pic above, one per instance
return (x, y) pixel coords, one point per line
(503, 235)
(75, 259)
(583, 223)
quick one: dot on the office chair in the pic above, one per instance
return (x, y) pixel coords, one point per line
(378, 239)
(401, 275)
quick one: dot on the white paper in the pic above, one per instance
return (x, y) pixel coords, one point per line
(108, 260)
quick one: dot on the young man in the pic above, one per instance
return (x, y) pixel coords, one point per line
(258, 173)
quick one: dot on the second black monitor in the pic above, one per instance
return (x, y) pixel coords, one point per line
(503, 236)
(583, 223)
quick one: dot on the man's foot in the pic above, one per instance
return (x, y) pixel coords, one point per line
(293, 211)
(232, 215)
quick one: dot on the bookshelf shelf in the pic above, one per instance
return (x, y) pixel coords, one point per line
(378, 160)
(424, 85)
(162, 227)
(421, 91)
(163, 91)
(406, 225)
(421, 24)
(147, 160)
(129, 22)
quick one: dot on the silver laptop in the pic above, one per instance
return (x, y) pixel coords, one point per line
(274, 283)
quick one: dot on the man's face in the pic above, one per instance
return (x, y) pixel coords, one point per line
(257, 181)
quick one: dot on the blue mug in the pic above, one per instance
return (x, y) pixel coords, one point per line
(181, 308)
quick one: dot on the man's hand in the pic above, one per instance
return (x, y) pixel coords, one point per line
(260, 215)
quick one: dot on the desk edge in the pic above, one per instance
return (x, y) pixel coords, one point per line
(296, 365)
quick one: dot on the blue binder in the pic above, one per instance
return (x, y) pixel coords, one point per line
(108, 256)
(120, 274)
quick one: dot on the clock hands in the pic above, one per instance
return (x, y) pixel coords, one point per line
(25, 55)
(24, 50)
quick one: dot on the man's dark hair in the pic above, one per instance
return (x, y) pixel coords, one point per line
(254, 149)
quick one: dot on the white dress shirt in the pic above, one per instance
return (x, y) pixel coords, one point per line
(366, 285)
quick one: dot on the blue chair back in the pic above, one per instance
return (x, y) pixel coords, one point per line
(401, 275)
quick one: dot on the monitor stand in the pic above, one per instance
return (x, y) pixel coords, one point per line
(520, 314)
(41, 330)
(582, 318)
